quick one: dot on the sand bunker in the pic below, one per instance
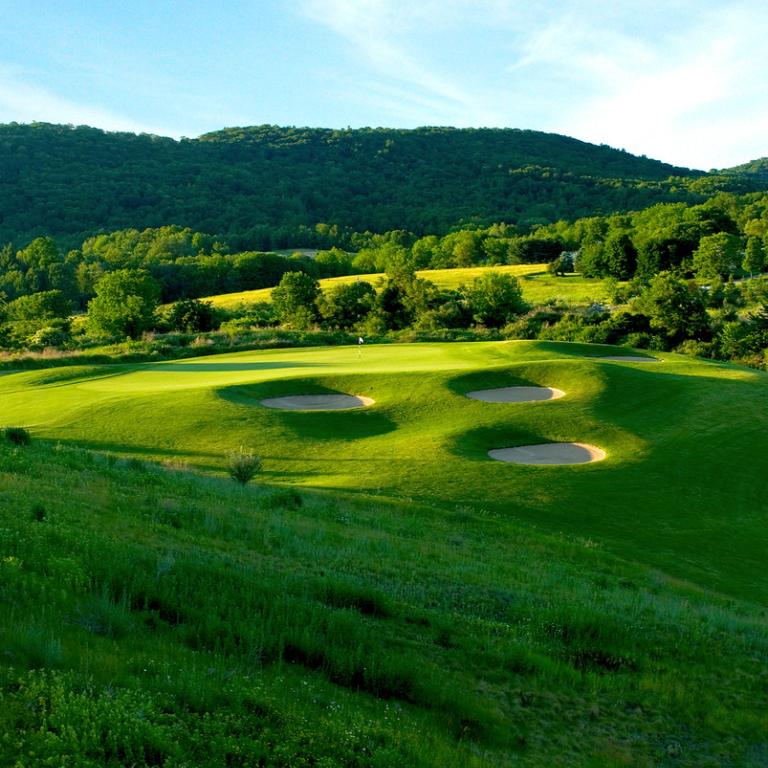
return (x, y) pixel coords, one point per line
(516, 394)
(318, 402)
(549, 453)
(630, 359)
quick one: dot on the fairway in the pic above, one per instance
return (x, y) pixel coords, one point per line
(536, 281)
(685, 441)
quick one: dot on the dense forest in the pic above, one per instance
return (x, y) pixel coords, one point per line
(268, 187)
(707, 240)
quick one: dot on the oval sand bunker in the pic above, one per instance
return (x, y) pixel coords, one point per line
(549, 453)
(516, 394)
(318, 402)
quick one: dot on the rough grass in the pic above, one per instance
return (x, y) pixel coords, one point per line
(157, 618)
(537, 284)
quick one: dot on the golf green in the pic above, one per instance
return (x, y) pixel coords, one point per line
(686, 441)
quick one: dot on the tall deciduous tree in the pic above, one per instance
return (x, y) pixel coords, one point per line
(620, 256)
(674, 308)
(191, 316)
(590, 260)
(294, 299)
(717, 256)
(754, 256)
(495, 299)
(347, 304)
(124, 305)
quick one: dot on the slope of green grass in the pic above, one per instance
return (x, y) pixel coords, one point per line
(156, 618)
(537, 283)
(680, 489)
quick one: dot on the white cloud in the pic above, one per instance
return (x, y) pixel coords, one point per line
(677, 81)
(378, 30)
(21, 101)
(688, 99)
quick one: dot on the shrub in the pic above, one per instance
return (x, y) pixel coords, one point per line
(17, 436)
(243, 465)
(192, 315)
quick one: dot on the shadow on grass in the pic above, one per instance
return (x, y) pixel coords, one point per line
(64, 377)
(475, 444)
(491, 379)
(224, 367)
(332, 426)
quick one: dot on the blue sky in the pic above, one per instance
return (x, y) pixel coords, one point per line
(685, 82)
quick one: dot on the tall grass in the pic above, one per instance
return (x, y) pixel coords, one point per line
(154, 617)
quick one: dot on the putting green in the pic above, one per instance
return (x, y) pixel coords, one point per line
(687, 440)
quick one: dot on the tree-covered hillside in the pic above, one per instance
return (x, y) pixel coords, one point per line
(268, 187)
(755, 169)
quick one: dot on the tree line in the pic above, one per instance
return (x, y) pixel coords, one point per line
(667, 312)
(724, 236)
(120, 278)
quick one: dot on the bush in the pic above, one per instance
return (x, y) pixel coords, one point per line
(191, 316)
(638, 340)
(243, 465)
(17, 436)
(696, 348)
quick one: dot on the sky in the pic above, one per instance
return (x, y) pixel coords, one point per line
(679, 81)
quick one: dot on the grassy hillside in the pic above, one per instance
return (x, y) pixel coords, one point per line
(685, 439)
(154, 618)
(267, 186)
(537, 283)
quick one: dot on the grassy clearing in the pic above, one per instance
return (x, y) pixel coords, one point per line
(153, 617)
(685, 439)
(538, 285)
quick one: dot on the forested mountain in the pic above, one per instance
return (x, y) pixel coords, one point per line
(755, 169)
(267, 187)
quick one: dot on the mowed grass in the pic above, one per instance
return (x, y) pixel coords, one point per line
(682, 488)
(537, 283)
